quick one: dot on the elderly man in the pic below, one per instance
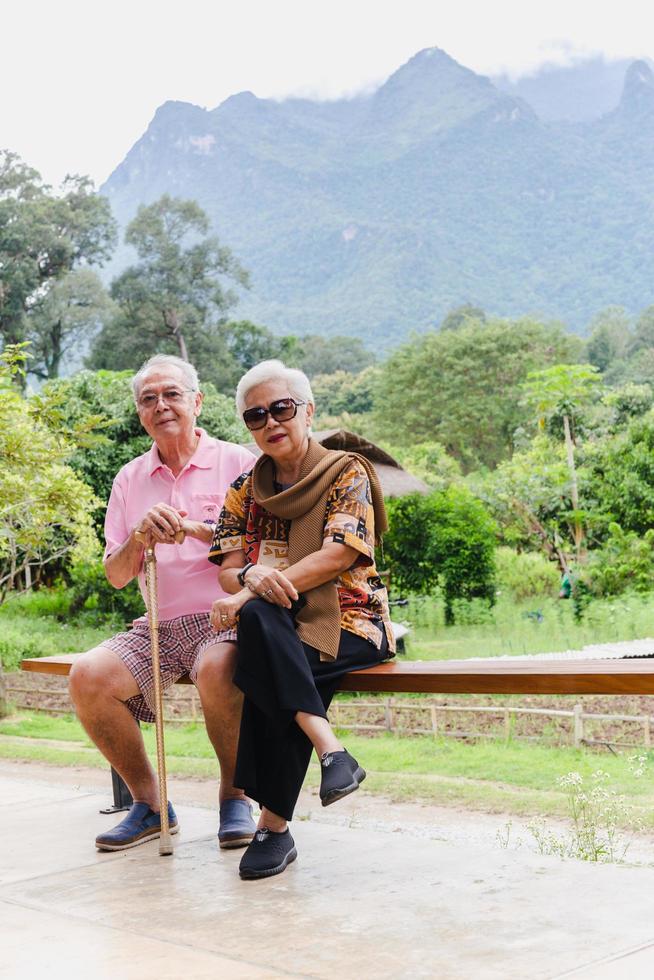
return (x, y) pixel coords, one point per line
(178, 485)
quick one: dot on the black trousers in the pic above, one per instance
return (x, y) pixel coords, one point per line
(279, 676)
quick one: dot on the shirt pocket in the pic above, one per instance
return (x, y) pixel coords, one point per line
(206, 507)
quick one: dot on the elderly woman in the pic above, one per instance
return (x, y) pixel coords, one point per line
(295, 544)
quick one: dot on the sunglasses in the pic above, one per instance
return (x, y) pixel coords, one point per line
(282, 410)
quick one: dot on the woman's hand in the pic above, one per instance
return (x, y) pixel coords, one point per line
(224, 612)
(272, 585)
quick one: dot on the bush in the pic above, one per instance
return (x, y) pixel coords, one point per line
(625, 562)
(446, 540)
(91, 592)
(526, 574)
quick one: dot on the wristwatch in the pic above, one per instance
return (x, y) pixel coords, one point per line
(243, 572)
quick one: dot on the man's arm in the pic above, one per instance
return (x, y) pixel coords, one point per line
(124, 564)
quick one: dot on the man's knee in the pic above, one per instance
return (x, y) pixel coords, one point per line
(100, 673)
(216, 668)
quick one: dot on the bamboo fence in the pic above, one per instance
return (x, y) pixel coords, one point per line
(399, 716)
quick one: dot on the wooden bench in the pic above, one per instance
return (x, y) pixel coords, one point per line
(494, 675)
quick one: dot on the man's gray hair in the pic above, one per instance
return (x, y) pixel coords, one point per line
(267, 371)
(162, 361)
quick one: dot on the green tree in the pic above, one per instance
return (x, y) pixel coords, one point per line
(44, 236)
(64, 319)
(529, 496)
(45, 507)
(444, 540)
(461, 316)
(460, 387)
(430, 462)
(343, 391)
(610, 333)
(562, 391)
(316, 355)
(619, 473)
(246, 344)
(175, 298)
(624, 562)
(643, 335)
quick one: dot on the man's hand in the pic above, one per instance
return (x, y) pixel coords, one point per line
(271, 584)
(224, 612)
(160, 524)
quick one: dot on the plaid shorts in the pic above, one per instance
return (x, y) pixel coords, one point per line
(182, 642)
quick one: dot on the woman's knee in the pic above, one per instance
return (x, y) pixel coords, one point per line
(255, 613)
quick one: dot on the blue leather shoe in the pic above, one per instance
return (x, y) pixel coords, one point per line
(140, 825)
(236, 824)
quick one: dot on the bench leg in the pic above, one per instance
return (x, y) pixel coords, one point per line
(122, 796)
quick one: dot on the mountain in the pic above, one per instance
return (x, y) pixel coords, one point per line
(578, 92)
(376, 215)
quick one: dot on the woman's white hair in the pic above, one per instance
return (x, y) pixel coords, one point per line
(163, 361)
(267, 371)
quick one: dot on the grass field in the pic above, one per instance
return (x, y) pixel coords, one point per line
(540, 625)
(514, 778)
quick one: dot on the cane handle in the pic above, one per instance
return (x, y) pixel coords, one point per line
(142, 537)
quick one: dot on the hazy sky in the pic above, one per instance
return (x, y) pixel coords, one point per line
(81, 79)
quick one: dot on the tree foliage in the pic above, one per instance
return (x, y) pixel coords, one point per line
(344, 391)
(625, 562)
(619, 473)
(63, 320)
(610, 333)
(43, 237)
(430, 462)
(460, 387)
(45, 507)
(176, 297)
(315, 354)
(444, 540)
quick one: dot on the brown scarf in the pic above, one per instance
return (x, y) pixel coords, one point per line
(304, 505)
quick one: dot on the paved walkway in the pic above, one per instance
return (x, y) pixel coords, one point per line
(359, 902)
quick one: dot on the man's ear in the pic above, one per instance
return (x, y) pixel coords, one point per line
(199, 398)
(310, 411)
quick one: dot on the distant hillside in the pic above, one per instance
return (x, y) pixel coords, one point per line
(377, 215)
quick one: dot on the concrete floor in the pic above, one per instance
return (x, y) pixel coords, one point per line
(359, 902)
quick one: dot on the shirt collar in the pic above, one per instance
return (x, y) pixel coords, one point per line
(201, 458)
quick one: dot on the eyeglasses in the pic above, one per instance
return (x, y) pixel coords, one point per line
(282, 410)
(172, 396)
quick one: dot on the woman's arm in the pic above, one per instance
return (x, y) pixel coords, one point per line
(275, 586)
(228, 571)
(315, 569)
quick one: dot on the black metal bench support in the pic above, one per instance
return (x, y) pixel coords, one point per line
(122, 796)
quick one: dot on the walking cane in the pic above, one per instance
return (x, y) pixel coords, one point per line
(165, 838)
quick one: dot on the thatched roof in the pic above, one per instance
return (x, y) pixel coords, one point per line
(395, 481)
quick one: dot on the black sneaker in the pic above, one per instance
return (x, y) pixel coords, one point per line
(341, 775)
(268, 854)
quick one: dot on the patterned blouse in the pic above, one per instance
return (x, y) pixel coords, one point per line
(244, 525)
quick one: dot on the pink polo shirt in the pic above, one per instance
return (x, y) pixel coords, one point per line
(187, 581)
